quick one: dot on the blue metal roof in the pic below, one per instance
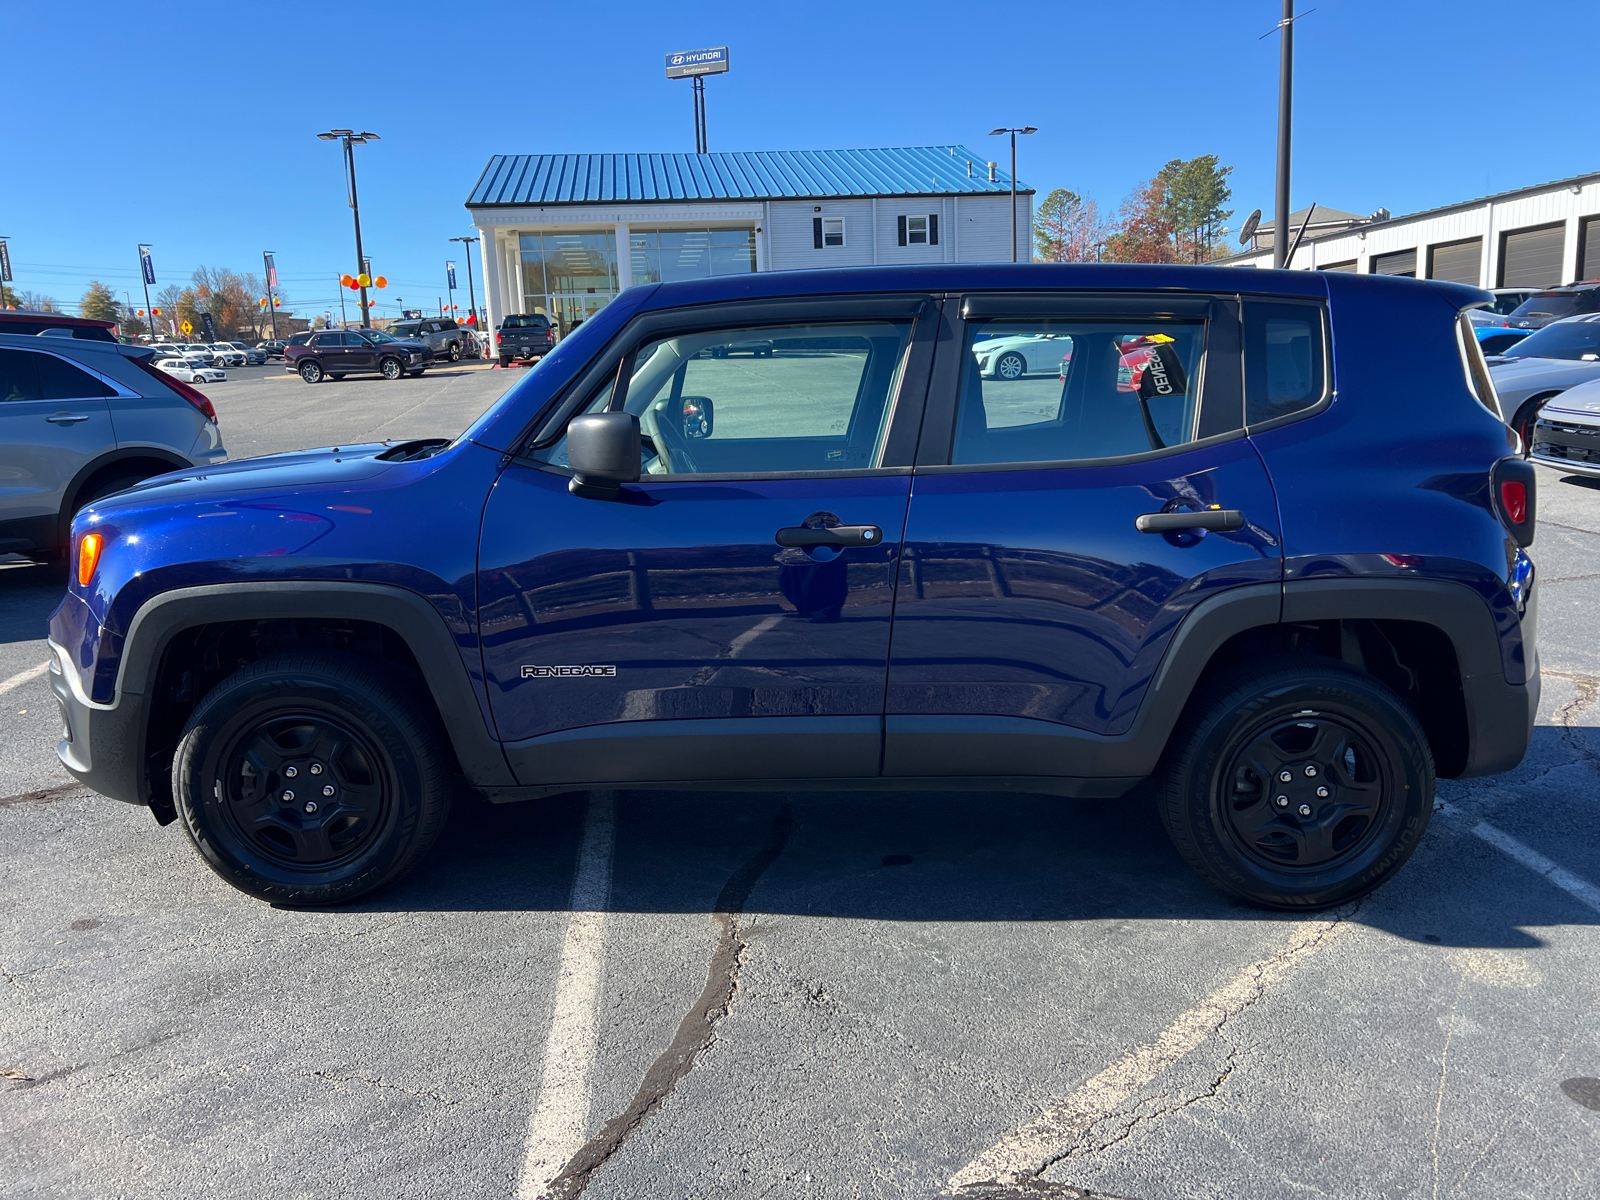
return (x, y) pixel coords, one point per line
(751, 175)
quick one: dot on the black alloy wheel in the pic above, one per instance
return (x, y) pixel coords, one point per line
(1297, 783)
(312, 778)
(391, 368)
(1010, 365)
(310, 370)
(455, 352)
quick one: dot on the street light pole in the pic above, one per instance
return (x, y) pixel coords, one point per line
(1013, 132)
(351, 139)
(472, 295)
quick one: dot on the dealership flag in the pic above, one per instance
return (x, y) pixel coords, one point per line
(211, 326)
(272, 271)
(146, 265)
(450, 270)
(5, 262)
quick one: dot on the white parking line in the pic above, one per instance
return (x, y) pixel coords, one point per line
(1529, 857)
(1035, 1146)
(22, 677)
(557, 1125)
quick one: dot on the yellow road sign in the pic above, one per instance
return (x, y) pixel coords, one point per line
(187, 328)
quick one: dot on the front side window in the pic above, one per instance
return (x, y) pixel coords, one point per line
(19, 375)
(1071, 389)
(761, 400)
(1284, 353)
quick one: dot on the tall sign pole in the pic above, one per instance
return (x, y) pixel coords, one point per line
(269, 261)
(472, 295)
(695, 65)
(147, 272)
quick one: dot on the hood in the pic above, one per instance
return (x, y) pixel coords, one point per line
(1581, 404)
(332, 467)
(1519, 378)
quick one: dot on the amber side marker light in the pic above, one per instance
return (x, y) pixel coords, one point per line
(89, 556)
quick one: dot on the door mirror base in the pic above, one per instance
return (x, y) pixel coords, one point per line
(603, 451)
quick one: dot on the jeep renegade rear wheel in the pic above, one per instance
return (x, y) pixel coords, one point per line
(311, 779)
(1296, 784)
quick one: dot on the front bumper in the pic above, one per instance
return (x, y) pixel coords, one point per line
(101, 744)
(1567, 446)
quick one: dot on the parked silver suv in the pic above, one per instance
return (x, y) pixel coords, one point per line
(81, 419)
(444, 337)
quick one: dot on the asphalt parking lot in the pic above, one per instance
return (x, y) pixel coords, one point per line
(801, 995)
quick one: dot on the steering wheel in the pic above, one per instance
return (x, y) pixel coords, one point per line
(667, 436)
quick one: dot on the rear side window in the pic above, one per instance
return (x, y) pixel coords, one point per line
(1285, 352)
(60, 380)
(1073, 389)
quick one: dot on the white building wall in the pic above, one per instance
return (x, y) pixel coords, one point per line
(793, 245)
(983, 232)
(1490, 220)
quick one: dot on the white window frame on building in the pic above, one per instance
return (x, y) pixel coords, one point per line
(830, 233)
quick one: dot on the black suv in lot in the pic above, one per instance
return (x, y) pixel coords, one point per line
(335, 353)
(523, 335)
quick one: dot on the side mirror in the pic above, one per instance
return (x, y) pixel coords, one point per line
(603, 451)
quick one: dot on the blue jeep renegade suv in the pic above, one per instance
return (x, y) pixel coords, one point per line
(1219, 528)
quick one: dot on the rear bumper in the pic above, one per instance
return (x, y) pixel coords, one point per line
(101, 744)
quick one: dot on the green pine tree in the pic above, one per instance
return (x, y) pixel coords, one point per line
(1196, 191)
(99, 303)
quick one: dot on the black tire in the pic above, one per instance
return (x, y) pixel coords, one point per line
(1010, 365)
(506, 362)
(1278, 843)
(310, 370)
(99, 489)
(455, 352)
(391, 368)
(241, 768)
(1523, 419)
(336, 378)
(416, 374)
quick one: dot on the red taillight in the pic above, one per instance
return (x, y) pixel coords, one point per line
(1514, 499)
(196, 398)
(498, 337)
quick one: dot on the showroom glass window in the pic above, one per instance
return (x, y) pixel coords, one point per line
(671, 255)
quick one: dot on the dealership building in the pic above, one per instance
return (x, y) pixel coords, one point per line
(1532, 237)
(563, 233)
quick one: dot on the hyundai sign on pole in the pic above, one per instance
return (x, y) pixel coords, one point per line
(450, 271)
(148, 267)
(697, 62)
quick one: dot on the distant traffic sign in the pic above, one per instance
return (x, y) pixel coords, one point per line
(697, 62)
(187, 328)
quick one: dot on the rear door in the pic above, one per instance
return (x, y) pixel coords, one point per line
(729, 617)
(54, 419)
(1032, 611)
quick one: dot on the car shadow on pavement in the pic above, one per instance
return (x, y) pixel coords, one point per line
(940, 856)
(29, 593)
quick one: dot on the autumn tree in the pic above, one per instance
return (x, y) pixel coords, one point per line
(1144, 232)
(1195, 192)
(37, 301)
(99, 303)
(1067, 228)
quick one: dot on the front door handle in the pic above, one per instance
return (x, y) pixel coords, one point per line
(839, 535)
(66, 418)
(1221, 520)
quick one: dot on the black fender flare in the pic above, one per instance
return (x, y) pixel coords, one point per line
(411, 616)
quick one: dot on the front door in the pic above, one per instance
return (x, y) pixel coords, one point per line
(728, 617)
(359, 354)
(1033, 611)
(53, 420)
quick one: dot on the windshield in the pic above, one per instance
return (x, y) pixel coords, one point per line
(372, 335)
(1575, 340)
(1548, 304)
(406, 330)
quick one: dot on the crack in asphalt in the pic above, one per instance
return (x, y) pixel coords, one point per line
(1568, 714)
(697, 1032)
(327, 1077)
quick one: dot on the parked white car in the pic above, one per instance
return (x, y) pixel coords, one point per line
(1566, 434)
(186, 370)
(229, 355)
(1544, 364)
(198, 350)
(1013, 357)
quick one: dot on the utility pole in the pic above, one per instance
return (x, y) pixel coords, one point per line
(1285, 28)
(351, 139)
(1013, 133)
(472, 295)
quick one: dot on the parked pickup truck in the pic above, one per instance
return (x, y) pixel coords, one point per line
(523, 335)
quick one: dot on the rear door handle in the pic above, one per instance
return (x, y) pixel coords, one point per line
(66, 418)
(839, 535)
(1222, 520)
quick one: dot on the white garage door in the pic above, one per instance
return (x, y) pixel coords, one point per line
(1532, 257)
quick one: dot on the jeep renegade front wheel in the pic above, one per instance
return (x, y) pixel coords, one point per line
(1297, 784)
(311, 779)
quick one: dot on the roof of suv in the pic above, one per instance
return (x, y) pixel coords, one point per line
(20, 321)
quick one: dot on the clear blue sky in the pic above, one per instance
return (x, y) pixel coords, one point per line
(193, 128)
